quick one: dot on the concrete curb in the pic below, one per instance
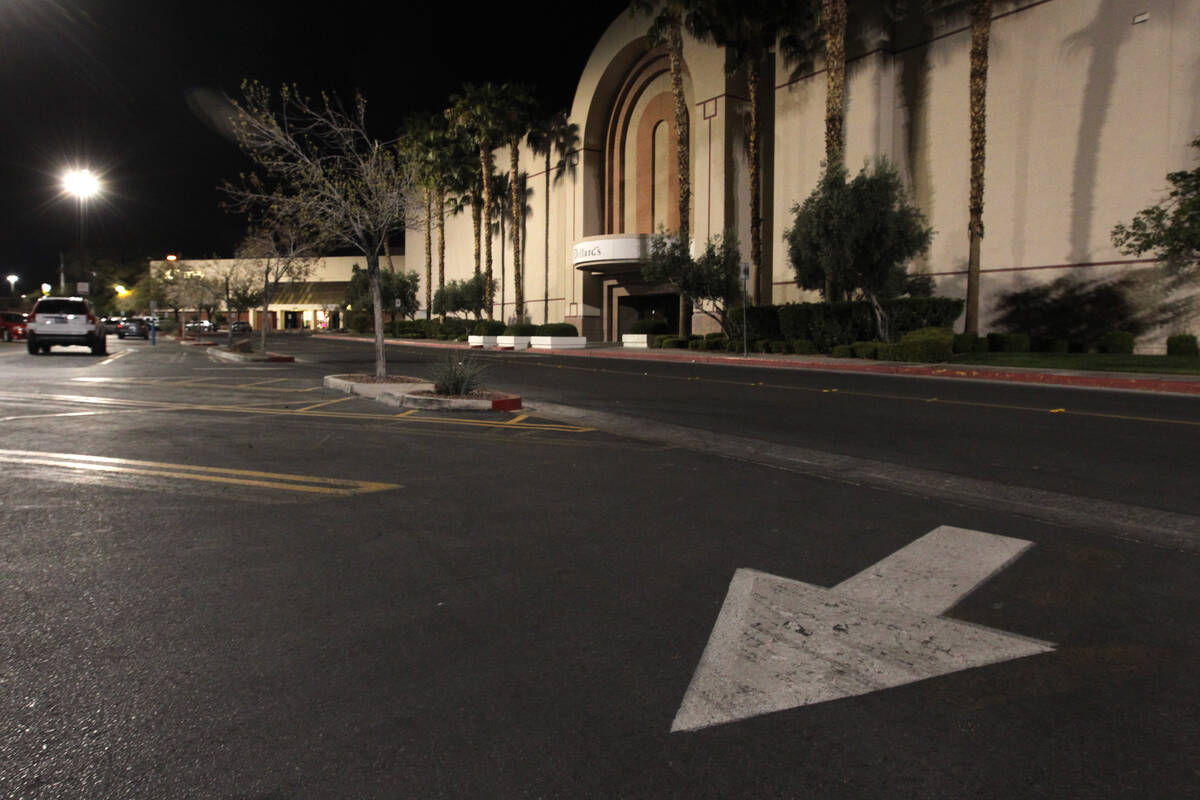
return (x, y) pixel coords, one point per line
(403, 395)
(1044, 377)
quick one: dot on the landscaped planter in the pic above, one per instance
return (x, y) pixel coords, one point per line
(513, 342)
(637, 340)
(558, 342)
(481, 341)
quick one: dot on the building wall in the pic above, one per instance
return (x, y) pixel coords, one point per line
(1087, 112)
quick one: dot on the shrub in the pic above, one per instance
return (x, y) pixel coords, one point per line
(695, 344)
(761, 345)
(1119, 342)
(1182, 344)
(557, 329)
(864, 349)
(714, 344)
(1078, 311)
(488, 327)
(887, 351)
(762, 322)
(1008, 342)
(927, 345)
(661, 339)
(650, 327)
(779, 346)
(969, 343)
(803, 347)
(520, 329)
(842, 351)
(827, 324)
(670, 342)
(360, 323)
(1049, 345)
(454, 376)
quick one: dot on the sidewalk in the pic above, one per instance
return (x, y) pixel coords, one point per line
(1143, 382)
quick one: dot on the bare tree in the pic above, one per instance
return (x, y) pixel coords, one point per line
(280, 251)
(238, 282)
(326, 174)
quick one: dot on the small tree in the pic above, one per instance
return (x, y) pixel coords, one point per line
(326, 173)
(855, 237)
(282, 250)
(1171, 231)
(393, 287)
(467, 295)
(711, 282)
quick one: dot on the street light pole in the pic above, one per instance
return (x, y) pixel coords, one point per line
(82, 184)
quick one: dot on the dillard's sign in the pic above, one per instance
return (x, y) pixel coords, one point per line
(610, 249)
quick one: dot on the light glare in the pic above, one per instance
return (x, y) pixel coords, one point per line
(81, 183)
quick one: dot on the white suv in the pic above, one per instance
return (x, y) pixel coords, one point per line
(64, 320)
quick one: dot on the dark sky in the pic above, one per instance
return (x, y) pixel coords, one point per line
(117, 86)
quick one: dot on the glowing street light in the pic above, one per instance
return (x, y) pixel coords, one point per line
(46, 288)
(82, 184)
(12, 284)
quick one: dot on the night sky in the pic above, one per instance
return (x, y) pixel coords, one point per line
(121, 87)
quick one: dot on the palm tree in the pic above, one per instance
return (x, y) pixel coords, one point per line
(475, 113)
(666, 28)
(514, 123)
(551, 134)
(833, 24)
(749, 30)
(981, 27)
(417, 143)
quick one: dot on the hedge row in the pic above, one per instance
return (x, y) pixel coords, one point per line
(827, 325)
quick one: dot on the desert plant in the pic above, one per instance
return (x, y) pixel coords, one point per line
(454, 375)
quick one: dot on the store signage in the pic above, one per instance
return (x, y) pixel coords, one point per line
(610, 249)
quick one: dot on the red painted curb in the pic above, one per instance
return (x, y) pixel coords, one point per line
(505, 402)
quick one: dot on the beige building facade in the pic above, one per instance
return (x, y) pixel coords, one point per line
(1090, 103)
(317, 302)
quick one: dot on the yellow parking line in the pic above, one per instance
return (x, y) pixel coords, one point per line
(408, 413)
(325, 403)
(241, 477)
(516, 419)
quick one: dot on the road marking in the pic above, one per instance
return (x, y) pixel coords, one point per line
(114, 357)
(241, 477)
(779, 643)
(325, 403)
(252, 409)
(518, 418)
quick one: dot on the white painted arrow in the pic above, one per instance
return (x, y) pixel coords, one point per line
(780, 644)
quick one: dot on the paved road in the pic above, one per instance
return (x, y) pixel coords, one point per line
(223, 580)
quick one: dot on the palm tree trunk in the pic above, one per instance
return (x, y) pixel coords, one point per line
(761, 283)
(981, 24)
(441, 204)
(514, 192)
(546, 251)
(833, 19)
(682, 153)
(485, 164)
(476, 204)
(428, 250)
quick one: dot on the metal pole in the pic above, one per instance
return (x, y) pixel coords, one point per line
(745, 332)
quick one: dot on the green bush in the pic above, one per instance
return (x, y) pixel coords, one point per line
(1080, 311)
(557, 329)
(887, 351)
(695, 344)
(714, 344)
(1119, 342)
(360, 323)
(1008, 342)
(842, 351)
(761, 345)
(778, 346)
(803, 347)
(733, 345)
(661, 339)
(1049, 345)
(828, 324)
(762, 322)
(650, 327)
(520, 329)
(1182, 344)
(669, 342)
(864, 349)
(927, 345)
(969, 343)
(488, 327)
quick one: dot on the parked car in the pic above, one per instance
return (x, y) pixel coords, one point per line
(133, 326)
(201, 326)
(241, 326)
(12, 326)
(64, 320)
(111, 323)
